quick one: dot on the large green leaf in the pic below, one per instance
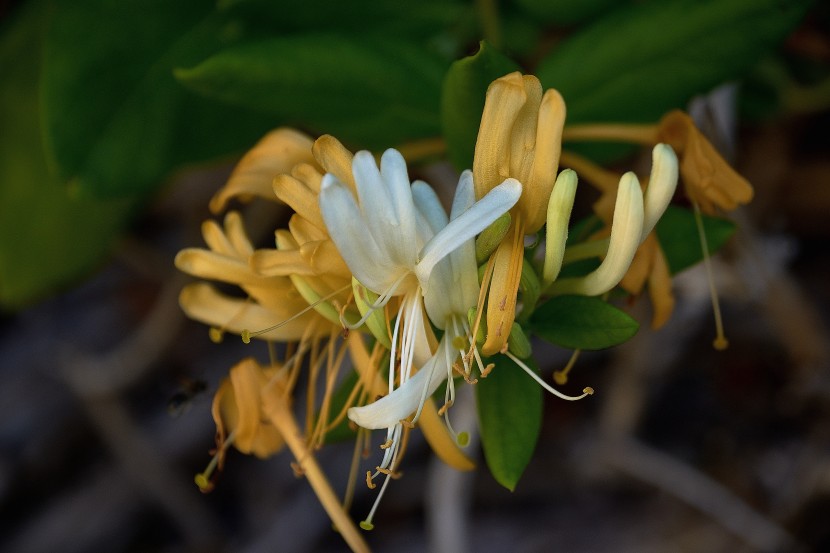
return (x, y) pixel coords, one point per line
(116, 121)
(390, 17)
(581, 322)
(47, 237)
(510, 417)
(644, 59)
(374, 92)
(566, 12)
(680, 238)
(462, 100)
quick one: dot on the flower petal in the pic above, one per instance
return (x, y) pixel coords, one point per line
(623, 244)
(478, 217)
(391, 409)
(560, 206)
(661, 186)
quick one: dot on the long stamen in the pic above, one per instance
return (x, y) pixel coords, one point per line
(586, 392)
(203, 478)
(382, 300)
(561, 377)
(720, 342)
(247, 334)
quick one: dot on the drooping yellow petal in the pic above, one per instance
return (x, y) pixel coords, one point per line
(238, 409)
(211, 265)
(709, 180)
(276, 153)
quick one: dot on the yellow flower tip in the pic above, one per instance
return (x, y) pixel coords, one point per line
(720, 343)
(588, 391)
(560, 377)
(216, 335)
(463, 439)
(246, 336)
(204, 483)
(366, 525)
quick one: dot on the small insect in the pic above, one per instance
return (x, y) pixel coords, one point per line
(181, 401)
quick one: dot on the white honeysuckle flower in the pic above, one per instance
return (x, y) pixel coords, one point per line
(395, 237)
(451, 291)
(626, 230)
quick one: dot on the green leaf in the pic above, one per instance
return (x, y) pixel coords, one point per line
(566, 12)
(644, 59)
(372, 92)
(116, 121)
(47, 237)
(390, 17)
(581, 322)
(462, 100)
(680, 238)
(510, 417)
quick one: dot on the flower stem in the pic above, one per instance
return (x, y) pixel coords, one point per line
(281, 417)
(638, 134)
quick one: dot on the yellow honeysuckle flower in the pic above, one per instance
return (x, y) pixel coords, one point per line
(519, 137)
(272, 299)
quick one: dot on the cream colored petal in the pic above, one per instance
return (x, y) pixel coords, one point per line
(277, 152)
(560, 205)
(661, 186)
(623, 244)
(201, 302)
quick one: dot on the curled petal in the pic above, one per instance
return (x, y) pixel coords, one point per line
(276, 153)
(661, 186)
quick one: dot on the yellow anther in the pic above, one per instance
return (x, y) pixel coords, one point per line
(246, 336)
(371, 485)
(488, 369)
(216, 334)
(366, 525)
(720, 343)
(387, 444)
(205, 485)
(588, 390)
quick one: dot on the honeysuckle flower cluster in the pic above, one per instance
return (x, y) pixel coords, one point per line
(378, 292)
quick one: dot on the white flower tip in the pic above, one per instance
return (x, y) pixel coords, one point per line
(328, 181)
(661, 186)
